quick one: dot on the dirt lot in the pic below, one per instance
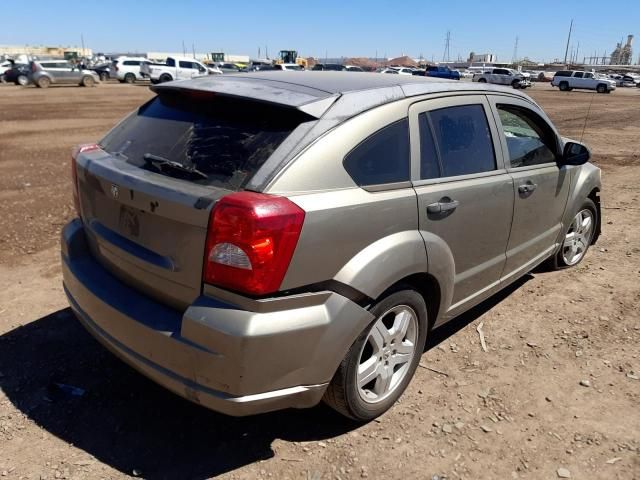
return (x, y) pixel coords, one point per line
(516, 411)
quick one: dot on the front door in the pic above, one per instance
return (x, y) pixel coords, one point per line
(541, 188)
(465, 195)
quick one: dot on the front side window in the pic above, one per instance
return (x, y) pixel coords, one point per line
(171, 62)
(464, 140)
(529, 139)
(382, 158)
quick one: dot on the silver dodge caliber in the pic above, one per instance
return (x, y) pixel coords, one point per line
(269, 240)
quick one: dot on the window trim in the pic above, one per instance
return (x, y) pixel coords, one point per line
(494, 100)
(456, 100)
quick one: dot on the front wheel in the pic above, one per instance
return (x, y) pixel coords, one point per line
(482, 80)
(381, 362)
(578, 236)
(165, 77)
(104, 76)
(129, 78)
(43, 82)
(602, 88)
(22, 80)
(515, 84)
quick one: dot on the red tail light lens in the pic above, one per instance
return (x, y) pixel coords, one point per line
(74, 170)
(250, 242)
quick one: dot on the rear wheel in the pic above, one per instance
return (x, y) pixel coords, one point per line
(482, 80)
(104, 76)
(43, 82)
(601, 88)
(87, 81)
(382, 360)
(3, 79)
(564, 86)
(165, 77)
(129, 78)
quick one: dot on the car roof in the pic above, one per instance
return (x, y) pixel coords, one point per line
(314, 92)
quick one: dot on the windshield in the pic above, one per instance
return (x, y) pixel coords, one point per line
(226, 139)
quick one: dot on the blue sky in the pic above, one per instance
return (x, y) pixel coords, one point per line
(340, 28)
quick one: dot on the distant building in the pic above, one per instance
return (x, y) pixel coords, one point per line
(44, 51)
(482, 57)
(622, 55)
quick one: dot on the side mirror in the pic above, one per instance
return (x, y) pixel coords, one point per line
(575, 154)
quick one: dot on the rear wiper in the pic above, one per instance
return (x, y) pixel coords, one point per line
(163, 164)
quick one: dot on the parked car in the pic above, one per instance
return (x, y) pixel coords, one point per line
(329, 66)
(403, 70)
(43, 73)
(178, 68)
(248, 278)
(18, 74)
(567, 80)
(353, 68)
(103, 71)
(228, 68)
(288, 66)
(442, 72)
(392, 71)
(129, 69)
(4, 66)
(504, 76)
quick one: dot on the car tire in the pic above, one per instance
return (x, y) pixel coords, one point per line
(601, 88)
(22, 80)
(564, 87)
(165, 77)
(43, 82)
(129, 78)
(482, 80)
(577, 236)
(104, 76)
(515, 84)
(3, 79)
(87, 81)
(400, 321)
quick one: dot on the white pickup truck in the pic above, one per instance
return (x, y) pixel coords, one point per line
(504, 76)
(567, 80)
(176, 68)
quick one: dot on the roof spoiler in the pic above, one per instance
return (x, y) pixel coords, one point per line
(263, 92)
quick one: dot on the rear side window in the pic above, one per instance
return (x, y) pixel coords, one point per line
(578, 75)
(202, 138)
(464, 140)
(131, 62)
(382, 158)
(562, 73)
(184, 64)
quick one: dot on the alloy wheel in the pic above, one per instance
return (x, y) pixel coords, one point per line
(577, 239)
(386, 356)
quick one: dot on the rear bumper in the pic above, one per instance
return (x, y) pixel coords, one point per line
(229, 359)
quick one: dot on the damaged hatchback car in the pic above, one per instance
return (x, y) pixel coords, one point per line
(272, 240)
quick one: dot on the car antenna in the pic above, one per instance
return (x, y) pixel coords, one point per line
(584, 127)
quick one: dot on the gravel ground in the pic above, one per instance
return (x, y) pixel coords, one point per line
(556, 394)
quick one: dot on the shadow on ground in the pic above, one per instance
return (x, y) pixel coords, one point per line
(128, 422)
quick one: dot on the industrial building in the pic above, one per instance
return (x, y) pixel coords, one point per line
(45, 51)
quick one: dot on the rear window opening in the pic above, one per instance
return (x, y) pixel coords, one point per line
(202, 137)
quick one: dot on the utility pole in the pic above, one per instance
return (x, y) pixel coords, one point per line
(515, 52)
(566, 51)
(82, 41)
(577, 50)
(447, 45)
(184, 50)
(193, 50)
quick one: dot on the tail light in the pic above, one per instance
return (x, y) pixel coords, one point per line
(250, 242)
(74, 170)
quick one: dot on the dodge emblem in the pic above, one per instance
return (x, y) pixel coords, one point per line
(115, 191)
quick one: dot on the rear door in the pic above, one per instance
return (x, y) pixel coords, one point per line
(541, 188)
(146, 195)
(465, 195)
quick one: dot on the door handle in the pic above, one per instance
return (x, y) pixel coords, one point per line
(527, 187)
(444, 205)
